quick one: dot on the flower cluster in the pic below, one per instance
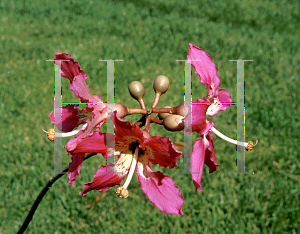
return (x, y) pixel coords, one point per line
(133, 147)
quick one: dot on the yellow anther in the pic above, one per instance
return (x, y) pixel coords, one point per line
(122, 192)
(51, 134)
(249, 146)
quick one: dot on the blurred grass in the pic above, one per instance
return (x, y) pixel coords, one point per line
(149, 36)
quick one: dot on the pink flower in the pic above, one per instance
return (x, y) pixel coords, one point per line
(92, 116)
(216, 100)
(135, 151)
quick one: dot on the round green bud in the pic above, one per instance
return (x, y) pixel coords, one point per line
(161, 84)
(136, 90)
(173, 123)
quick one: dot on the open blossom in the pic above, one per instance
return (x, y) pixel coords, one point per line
(216, 100)
(134, 151)
(93, 116)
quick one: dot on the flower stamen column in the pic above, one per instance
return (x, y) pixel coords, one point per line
(248, 145)
(122, 191)
(51, 134)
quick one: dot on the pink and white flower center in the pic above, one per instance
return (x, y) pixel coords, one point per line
(213, 108)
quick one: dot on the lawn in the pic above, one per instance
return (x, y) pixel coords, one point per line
(149, 36)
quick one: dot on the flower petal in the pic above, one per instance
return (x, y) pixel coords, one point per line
(160, 189)
(95, 122)
(199, 122)
(210, 157)
(95, 143)
(69, 118)
(81, 89)
(74, 167)
(205, 68)
(197, 162)
(220, 103)
(203, 153)
(71, 145)
(196, 117)
(71, 70)
(103, 179)
(127, 132)
(161, 151)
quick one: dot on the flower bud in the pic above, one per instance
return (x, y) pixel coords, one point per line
(179, 110)
(161, 84)
(121, 110)
(136, 90)
(173, 123)
(164, 115)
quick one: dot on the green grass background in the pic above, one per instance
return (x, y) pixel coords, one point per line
(149, 36)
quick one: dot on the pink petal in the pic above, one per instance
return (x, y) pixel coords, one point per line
(161, 190)
(81, 89)
(72, 71)
(97, 98)
(95, 143)
(205, 68)
(198, 120)
(69, 69)
(210, 157)
(69, 118)
(74, 167)
(203, 153)
(197, 163)
(125, 131)
(223, 99)
(162, 151)
(95, 121)
(72, 143)
(103, 179)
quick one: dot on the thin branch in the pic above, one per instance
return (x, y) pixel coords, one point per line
(155, 120)
(136, 111)
(164, 110)
(43, 192)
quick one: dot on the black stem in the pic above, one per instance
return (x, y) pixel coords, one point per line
(43, 192)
